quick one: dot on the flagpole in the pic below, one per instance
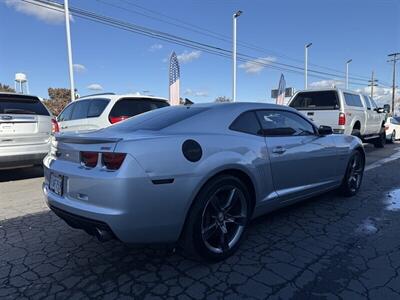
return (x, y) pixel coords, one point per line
(235, 16)
(69, 49)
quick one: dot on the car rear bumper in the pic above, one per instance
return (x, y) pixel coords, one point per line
(124, 204)
(15, 161)
(23, 155)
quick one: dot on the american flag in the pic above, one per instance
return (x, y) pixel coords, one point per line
(174, 77)
(280, 99)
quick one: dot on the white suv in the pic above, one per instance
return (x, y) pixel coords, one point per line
(101, 110)
(25, 129)
(345, 111)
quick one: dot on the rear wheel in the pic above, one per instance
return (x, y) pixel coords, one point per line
(218, 219)
(380, 141)
(354, 174)
(356, 132)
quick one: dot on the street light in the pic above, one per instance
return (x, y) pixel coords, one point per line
(69, 50)
(306, 65)
(235, 16)
(347, 72)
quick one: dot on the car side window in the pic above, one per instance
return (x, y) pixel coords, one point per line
(284, 123)
(247, 122)
(96, 107)
(373, 103)
(80, 110)
(65, 115)
(367, 102)
(352, 100)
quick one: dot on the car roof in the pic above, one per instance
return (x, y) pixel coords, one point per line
(243, 106)
(328, 89)
(115, 97)
(18, 95)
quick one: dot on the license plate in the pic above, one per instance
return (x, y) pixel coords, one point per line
(6, 127)
(56, 184)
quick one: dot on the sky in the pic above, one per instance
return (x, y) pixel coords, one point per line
(273, 32)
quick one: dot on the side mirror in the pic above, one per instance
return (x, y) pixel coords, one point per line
(386, 108)
(325, 130)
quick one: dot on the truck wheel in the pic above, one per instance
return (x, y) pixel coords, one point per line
(356, 132)
(380, 141)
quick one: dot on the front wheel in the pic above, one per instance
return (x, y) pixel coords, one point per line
(217, 219)
(393, 136)
(354, 175)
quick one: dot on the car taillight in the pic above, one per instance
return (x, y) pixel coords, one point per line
(89, 159)
(54, 126)
(113, 161)
(342, 119)
(114, 120)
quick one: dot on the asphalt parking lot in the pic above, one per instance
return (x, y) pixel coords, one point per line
(328, 247)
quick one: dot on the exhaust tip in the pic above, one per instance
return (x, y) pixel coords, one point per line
(103, 235)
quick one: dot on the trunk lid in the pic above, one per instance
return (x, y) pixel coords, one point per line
(23, 121)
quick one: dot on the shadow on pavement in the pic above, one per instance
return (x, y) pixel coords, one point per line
(21, 173)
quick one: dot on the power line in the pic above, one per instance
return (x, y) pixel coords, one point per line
(174, 39)
(215, 35)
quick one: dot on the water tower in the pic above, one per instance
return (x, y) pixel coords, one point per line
(21, 83)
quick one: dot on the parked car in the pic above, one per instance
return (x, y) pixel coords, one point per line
(196, 174)
(25, 130)
(345, 111)
(101, 110)
(392, 128)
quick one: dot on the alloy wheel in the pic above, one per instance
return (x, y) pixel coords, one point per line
(224, 218)
(356, 169)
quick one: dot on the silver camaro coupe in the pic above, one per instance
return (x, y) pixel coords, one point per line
(196, 174)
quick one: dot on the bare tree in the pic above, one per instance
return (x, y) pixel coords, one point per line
(59, 98)
(223, 99)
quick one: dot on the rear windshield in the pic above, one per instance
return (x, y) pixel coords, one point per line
(16, 104)
(129, 107)
(160, 118)
(320, 100)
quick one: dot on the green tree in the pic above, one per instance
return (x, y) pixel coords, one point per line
(6, 88)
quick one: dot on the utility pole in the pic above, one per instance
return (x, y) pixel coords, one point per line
(394, 58)
(347, 72)
(69, 49)
(234, 17)
(306, 65)
(372, 83)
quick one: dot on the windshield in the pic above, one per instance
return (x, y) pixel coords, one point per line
(160, 118)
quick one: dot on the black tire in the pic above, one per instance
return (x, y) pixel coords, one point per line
(393, 137)
(356, 132)
(354, 174)
(203, 240)
(380, 141)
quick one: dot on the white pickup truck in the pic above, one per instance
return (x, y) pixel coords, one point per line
(345, 111)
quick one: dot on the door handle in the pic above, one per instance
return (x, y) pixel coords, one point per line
(279, 150)
(64, 127)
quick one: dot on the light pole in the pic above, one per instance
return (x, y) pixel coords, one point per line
(347, 72)
(306, 65)
(69, 49)
(235, 16)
